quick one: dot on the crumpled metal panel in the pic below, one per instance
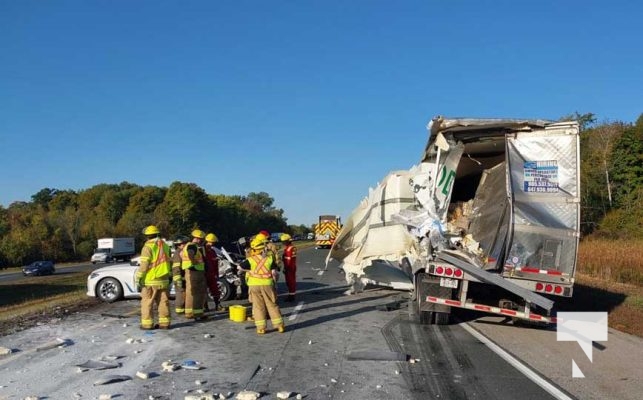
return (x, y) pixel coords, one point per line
(490, 217)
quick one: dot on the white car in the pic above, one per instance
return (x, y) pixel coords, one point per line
(112, 283)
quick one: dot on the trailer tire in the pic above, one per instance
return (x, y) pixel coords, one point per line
(441, 318)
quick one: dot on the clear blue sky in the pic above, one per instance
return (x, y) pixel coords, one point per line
(310, 101)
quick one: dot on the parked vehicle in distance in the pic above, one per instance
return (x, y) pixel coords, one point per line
(113, 249)
(38, 268)
(310, 236)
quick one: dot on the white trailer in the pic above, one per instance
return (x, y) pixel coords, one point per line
(113, 249)
(493, 203)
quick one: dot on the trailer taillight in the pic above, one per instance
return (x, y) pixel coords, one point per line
(553, 289)
(447, 271)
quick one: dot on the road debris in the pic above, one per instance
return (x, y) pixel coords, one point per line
(105, 396)
(58, 342)
(208, 335)
(98, 365)
(248, 395)
(111, 379)
(283, 395)
(207, 396)
(142, 375)
(32, 398)
(191, 364)
(4, 351)
(169, 366)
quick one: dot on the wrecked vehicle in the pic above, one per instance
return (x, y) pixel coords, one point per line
(492, 202)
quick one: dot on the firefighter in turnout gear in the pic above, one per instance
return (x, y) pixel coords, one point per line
(193, 265)
(289, 258)
(261, 289)
(178, 276)
(212, 269)
(271, 249)
(153, 280)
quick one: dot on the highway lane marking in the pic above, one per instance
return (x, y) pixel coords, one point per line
(519, 365)
(298, 308)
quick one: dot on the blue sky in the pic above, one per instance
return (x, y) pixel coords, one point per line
(312, 102)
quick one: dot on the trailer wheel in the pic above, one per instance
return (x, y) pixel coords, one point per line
(442, 318)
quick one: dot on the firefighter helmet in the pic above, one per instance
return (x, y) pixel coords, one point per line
(198, 233)
(258, 243)
(151, 230)
(265, 233)
(211, 238)
(285, 238)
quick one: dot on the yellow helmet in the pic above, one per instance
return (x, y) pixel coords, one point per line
(285, 238)
(198, 233)
(151, 230)
(258, 243)
(211, 238)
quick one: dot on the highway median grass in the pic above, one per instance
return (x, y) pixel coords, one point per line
(610, 278)
(41, 298)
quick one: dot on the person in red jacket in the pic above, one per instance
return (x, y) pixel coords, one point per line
(289, 258)
(212, 269)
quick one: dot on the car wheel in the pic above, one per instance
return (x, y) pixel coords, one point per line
(109, 290)
(225, 290)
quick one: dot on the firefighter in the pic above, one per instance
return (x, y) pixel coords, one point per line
(212, 270)
(289, 258)
(193, 266)
(178, 275)
(153, 280)
(261, 290)
(271, 249)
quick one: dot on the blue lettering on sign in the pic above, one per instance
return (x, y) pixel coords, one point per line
(540, 176)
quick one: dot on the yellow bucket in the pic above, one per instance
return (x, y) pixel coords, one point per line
(237, 313)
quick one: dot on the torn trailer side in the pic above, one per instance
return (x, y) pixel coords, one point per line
(514, 203)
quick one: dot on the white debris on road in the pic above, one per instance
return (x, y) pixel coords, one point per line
(169, 366)
(4, 351)
(105, 397)
(142, 375)
(58, 342)
(283, 395)
(247, 395)
(207, 396)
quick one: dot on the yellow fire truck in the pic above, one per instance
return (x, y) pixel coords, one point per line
(327, 230)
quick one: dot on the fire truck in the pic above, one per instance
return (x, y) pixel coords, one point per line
(326, 230)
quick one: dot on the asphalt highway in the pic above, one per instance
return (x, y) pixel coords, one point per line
(335, 346)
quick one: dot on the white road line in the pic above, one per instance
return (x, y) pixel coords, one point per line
(298, 308)
(519, 365)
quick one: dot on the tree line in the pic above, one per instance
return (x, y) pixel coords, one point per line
(64, 225)
(611, 177)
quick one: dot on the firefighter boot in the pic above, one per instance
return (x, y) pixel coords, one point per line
(281, 328)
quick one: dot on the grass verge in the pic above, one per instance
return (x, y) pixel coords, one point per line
(29, 301)
(610, 278)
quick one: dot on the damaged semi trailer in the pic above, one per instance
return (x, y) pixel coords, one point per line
(493, 203)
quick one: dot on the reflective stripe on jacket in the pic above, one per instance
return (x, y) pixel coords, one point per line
(198, 264)
(159, 267)
(260, 271)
